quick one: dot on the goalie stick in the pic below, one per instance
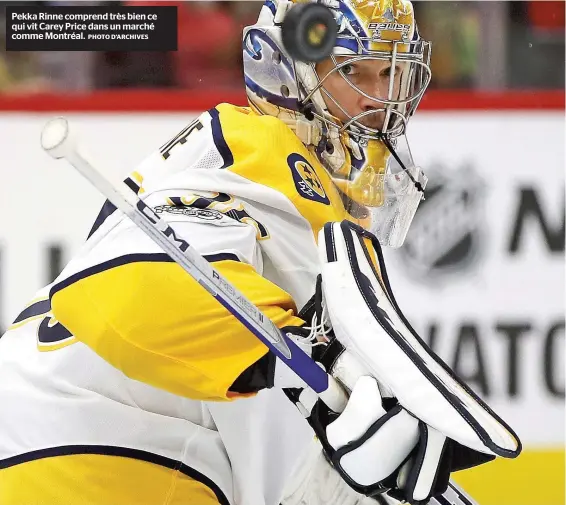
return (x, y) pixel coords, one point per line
(60, 141)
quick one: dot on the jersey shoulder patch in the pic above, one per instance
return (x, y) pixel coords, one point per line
(306, 180)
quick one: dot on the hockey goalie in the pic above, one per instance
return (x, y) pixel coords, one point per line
(124, 382)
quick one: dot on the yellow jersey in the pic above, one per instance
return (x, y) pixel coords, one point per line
(125, 354)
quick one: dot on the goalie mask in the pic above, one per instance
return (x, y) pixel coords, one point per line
(363, 148)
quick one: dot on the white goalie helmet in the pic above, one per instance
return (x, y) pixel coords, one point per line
(367, 157)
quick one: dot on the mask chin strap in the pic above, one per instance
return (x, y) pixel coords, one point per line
(387, 142)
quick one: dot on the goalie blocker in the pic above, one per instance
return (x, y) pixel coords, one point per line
(409, 421)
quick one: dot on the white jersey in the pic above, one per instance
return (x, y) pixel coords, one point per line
(125, 353)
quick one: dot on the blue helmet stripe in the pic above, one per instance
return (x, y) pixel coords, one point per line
(281, 101)
(271, 6)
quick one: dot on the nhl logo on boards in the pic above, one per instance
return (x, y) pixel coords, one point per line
(446, 235)
(306, 180)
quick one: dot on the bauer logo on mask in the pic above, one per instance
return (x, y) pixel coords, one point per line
(306, 180)
(376, 29)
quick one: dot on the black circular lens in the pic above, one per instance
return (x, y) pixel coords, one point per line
(309, 32)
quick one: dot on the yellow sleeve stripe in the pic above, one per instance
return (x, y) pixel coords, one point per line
(151, 320)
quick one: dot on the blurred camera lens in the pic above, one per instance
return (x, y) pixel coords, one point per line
(309, 32)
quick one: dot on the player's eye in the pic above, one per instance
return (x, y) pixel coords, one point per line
(386, 72)
(348, 69)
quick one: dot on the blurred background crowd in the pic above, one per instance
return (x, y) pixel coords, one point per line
(485, 45)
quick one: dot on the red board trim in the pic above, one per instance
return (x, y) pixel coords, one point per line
(180, 101)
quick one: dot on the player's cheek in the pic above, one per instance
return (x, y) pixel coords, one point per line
(383, 87)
